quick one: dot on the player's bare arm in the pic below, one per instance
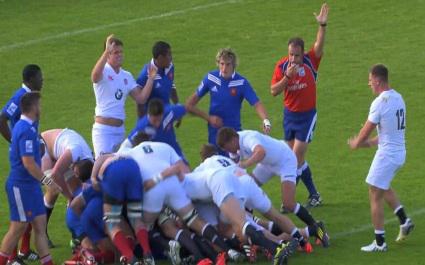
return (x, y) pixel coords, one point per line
(257, 156)
(96, 169)
(177, 169)
(362, 139)
(142, 95)
(35, 171)
(322, 19)
(97, 72)
(77, 205)
(62, 165)
(215, 121)
(4, 128)
(262, 113)
(280, 86)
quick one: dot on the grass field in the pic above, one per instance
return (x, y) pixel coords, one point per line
(65, 38)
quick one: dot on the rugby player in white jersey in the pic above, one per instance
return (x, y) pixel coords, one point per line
(112, 85)
(67, 156)
(214, 181)
(256, 199)
(159, 164)
(387, 114)
(270, 157)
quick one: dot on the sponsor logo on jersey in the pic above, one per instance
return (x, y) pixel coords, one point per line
(118, 94)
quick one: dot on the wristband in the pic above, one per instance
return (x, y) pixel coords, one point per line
(157, 178)
(323, 24)
(266, 123)
(287, 76)
(46, 180)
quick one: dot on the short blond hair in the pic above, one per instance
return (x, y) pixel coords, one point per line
(227, 54)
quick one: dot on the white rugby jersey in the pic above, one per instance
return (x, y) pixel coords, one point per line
(388, 111)
(70, 140)
(276, 150)
(111, 92)
(152, 157)
(216, 163)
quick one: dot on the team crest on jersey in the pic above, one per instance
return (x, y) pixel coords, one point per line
(214, 89)
(118, 94)
(125, 81)
(233, 91)
(158, 85)
(110, 78)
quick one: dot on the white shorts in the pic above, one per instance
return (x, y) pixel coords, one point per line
(383, 170)
(286, 169)
(106, 139)
(208, 211)
(254, 197)
(168, 192)
(222, 184)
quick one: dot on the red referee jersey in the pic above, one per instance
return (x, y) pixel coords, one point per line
(300, 94)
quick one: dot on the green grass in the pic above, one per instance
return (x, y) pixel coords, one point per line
(360, 33)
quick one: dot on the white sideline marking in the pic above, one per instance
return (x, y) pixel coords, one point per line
(366, 227)
(116, 24)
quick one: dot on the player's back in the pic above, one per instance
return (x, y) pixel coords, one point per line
(275, 149)
(392, 121)
(152, 157)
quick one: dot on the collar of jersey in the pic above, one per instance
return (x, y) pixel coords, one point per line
(233, 75)
(26, 88)
(27, 119)
(166, 70)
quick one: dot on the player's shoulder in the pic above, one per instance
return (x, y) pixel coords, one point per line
(283, 60)
(23, 127)
(125, 73)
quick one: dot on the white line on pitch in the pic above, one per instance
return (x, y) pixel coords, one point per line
(370, 227)
(116, 24)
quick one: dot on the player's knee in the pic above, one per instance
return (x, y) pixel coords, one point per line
(190, 217)
(112, 217)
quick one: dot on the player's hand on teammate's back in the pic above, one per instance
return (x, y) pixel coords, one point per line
(322, 18)
(215, 121)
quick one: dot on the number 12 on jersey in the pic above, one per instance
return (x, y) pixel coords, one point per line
(400, 119)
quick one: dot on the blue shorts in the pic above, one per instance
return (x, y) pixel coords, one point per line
(122, 181)
(25, 201)
(299, 125)
(73, 223)
(92, 220)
